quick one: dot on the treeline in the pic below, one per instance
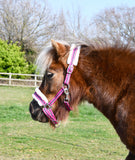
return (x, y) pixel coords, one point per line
(28, 25)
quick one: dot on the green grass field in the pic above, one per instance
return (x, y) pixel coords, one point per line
(87, 135)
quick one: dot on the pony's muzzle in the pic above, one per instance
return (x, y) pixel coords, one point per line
(36, 112)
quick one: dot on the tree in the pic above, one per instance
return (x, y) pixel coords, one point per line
(32, 24)
(29, 23)
(71, 27)
(116, 24)
(12, 60)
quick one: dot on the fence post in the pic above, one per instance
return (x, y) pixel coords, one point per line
(10, 76)
(35, 80)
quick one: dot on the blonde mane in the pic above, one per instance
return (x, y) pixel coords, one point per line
(45, 58)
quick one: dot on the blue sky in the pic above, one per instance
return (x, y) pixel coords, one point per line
(88, 8)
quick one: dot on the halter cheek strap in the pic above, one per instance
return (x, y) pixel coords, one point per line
(42, 99)
(72, 61)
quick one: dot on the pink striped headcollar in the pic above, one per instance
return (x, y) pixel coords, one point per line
(42, 99)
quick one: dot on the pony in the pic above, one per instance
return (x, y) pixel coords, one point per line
(100, 74)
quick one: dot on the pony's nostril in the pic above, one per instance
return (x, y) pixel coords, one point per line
(31, 108)
(36, 112)
(34, 109)
(39, 116)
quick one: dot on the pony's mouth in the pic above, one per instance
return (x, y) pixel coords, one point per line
(36, 112)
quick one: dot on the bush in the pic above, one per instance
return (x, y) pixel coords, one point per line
(12, 59)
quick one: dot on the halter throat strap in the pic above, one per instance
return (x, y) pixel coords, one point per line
(42, 99)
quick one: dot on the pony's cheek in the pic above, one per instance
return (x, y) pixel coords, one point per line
(57, 83)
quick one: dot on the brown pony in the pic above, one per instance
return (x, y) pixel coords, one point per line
(104, 76)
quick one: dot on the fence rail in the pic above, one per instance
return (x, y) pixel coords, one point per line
(17, 79)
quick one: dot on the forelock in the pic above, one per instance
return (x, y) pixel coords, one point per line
(44, 60)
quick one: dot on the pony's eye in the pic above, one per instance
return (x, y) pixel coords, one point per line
(49, 75)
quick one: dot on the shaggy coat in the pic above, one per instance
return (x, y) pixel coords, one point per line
(104, 76)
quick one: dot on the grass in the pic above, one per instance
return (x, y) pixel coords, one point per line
(86, 136)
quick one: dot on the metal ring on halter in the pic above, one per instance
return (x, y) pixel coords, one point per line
(66, 86)
(47, 106)
(66, 91)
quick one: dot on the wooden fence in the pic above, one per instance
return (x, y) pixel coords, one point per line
(15, 79)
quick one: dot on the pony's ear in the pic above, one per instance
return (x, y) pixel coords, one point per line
(59, 47)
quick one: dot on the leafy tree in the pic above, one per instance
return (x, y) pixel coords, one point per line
(12, 59)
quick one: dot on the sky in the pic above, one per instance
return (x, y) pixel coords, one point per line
(89, 8)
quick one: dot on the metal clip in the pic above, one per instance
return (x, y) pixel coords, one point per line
(66, 91)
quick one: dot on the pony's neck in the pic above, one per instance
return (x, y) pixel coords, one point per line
(101, 83)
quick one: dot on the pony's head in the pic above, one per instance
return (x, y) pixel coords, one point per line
(62, 85)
